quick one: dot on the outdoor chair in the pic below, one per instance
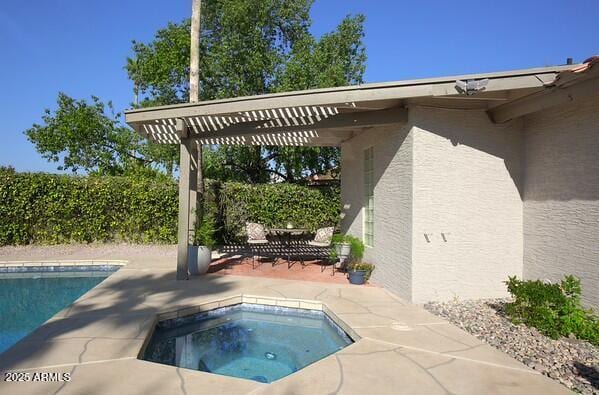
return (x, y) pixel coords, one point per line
(256, 240)
(320, 247)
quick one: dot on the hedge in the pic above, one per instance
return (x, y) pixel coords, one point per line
(276, 205)
(51, 209)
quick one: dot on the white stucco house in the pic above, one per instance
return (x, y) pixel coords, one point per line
(454, 183)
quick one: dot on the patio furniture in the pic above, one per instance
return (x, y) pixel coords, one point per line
(256, 240)
(286, 245)
(321, 245)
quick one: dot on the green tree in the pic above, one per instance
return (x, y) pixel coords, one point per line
(88, 135)
(251, 47)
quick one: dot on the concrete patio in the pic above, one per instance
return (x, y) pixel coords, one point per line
(402, 348)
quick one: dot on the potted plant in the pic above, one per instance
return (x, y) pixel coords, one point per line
(359, 272)
(346, 246)
(341, 250)
(200, 253)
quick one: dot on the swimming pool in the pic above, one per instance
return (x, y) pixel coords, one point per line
(31, 295)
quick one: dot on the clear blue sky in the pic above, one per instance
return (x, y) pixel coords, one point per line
(80, 47)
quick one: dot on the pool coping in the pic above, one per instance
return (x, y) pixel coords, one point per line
(59, 268)
(294, 303)
(65, 262)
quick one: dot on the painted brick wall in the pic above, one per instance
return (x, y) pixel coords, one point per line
(561, 195)
(393, 203)
(467, 174)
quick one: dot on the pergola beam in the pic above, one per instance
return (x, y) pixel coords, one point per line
(340, 122)
(320, 140)
(325, 129)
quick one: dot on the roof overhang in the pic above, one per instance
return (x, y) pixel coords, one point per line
(327, 117)
(580, 82)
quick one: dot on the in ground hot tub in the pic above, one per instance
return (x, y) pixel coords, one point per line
(250, 341)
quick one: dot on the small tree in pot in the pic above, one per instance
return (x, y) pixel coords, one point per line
(200, 253)
(347, 249)
(341, 251)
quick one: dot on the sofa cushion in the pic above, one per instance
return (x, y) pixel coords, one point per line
(324, 235)
(255, 231)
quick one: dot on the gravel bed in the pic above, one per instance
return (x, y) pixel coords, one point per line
(573, 363)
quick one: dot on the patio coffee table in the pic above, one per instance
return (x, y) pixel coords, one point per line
(285, 236)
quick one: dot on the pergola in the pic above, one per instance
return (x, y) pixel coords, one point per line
(323, 117)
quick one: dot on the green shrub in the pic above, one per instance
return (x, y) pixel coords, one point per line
(51, 209)
(205, 232)
(274, 205)
(554, 309)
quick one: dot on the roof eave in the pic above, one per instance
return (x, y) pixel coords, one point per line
(365, 87)
(350, 96)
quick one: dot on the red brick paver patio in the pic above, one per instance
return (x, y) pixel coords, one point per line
(242, 266)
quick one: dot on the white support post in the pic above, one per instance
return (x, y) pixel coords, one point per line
(185, 183)
(193, 186)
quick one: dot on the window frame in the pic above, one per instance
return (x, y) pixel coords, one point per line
(368, 197)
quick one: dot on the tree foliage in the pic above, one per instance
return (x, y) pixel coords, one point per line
(248, 47)
(88, 135)
(251, 47)
(83, 135)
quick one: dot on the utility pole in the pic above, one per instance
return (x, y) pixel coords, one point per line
(191, 183)
(194, 86)
(194, 70)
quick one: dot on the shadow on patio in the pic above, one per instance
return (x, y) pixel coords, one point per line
(116, 315)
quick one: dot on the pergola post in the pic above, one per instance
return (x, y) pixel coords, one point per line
(193, 186)
(187, 198)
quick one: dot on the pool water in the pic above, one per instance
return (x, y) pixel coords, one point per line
(27, 300)
(255, 342)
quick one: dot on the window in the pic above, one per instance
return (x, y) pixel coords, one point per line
(368, 227)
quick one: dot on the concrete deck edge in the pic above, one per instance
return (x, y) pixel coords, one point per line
(64, 262)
